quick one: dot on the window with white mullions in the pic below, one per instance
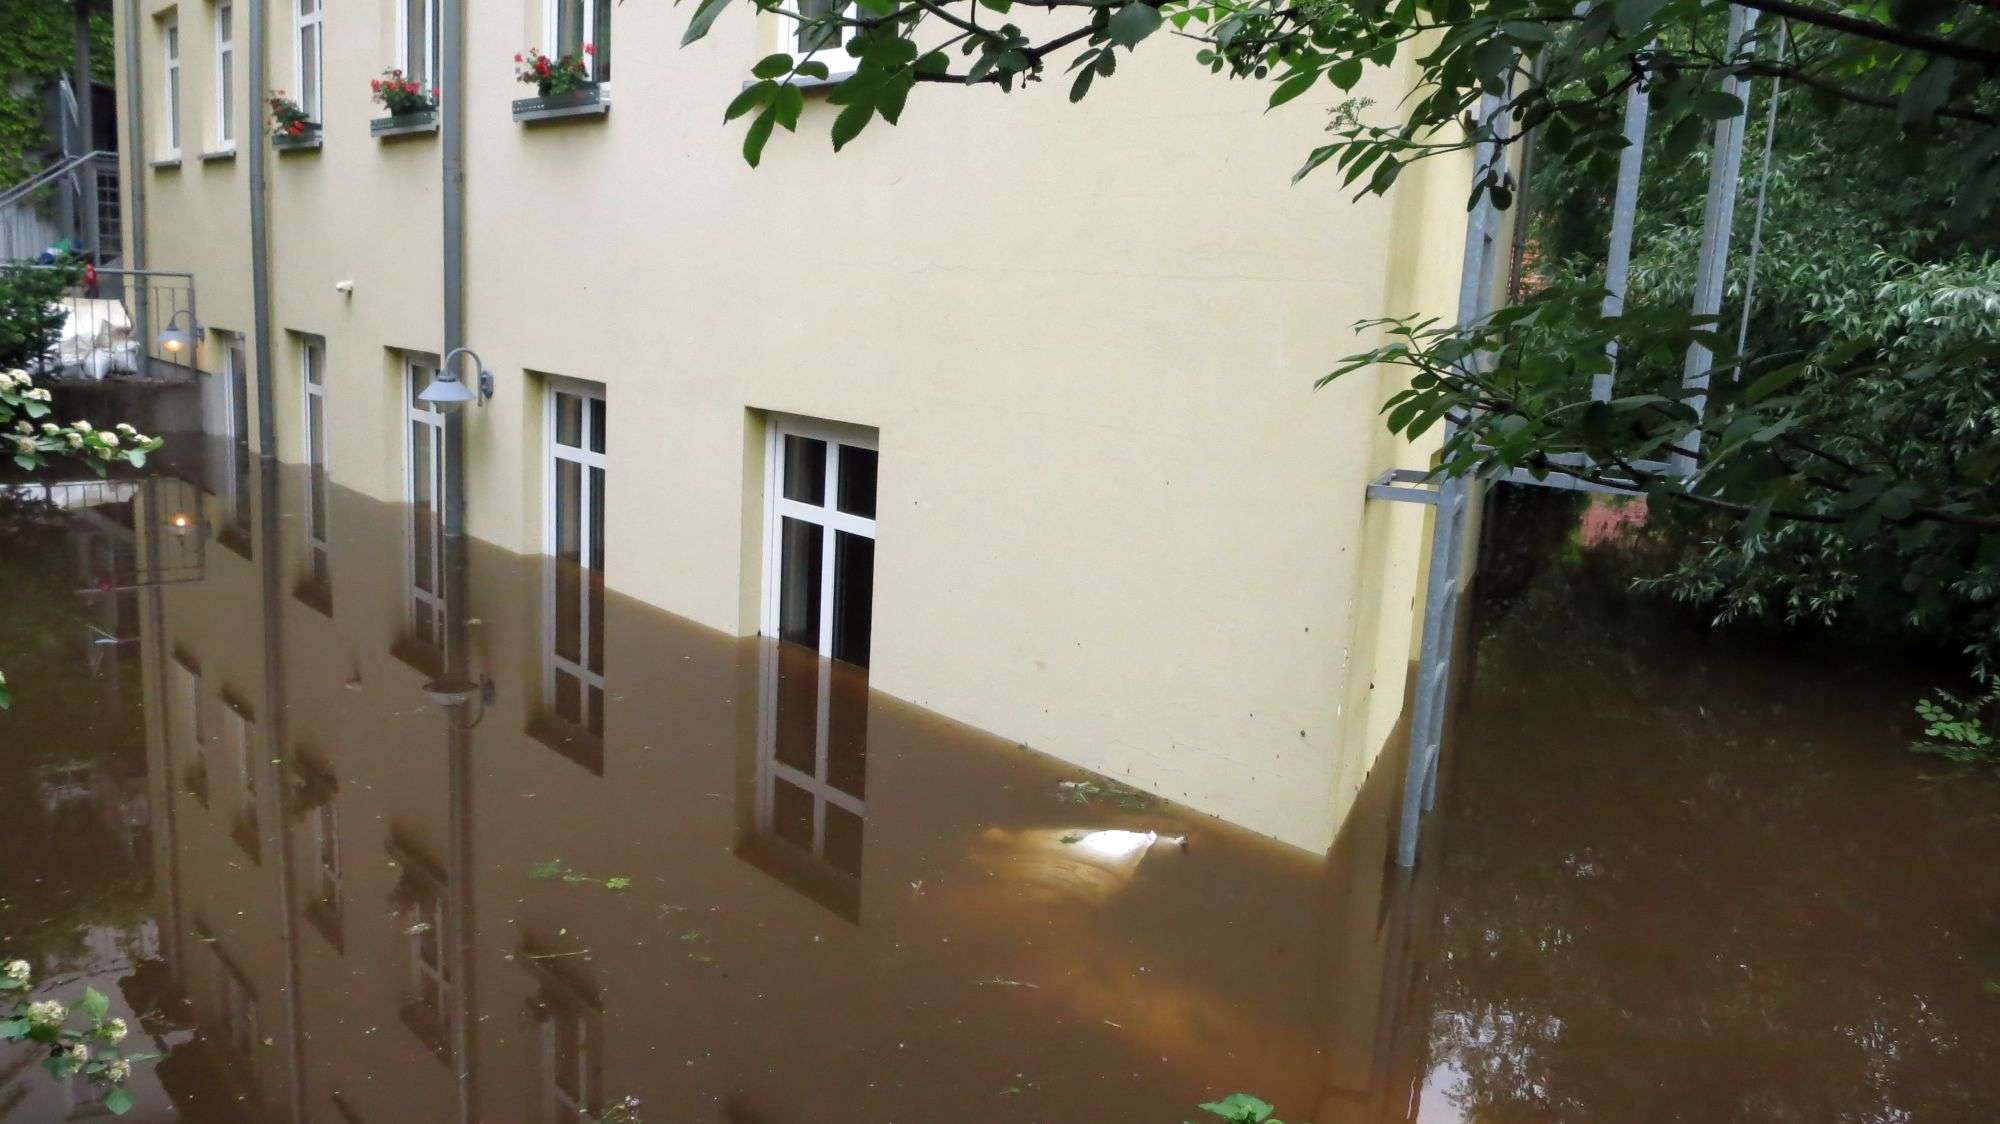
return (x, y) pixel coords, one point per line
(225, 76)
(423, 571)
(417, 41)
(825, 43)
(309, 56)
(573, 593)
(820, 573)
(170, 39)
(568, 26)
(819, 604)
(312, 361)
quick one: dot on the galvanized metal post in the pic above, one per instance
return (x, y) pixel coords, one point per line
(1624, 213)
(1718, 217)
(1442, 590)
(451, 141)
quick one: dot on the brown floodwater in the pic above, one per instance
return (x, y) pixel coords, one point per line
(1690, 878)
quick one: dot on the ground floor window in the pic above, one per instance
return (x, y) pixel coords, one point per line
(236, 447)
(573, 590)
(312, 375)
(820, 538)
(423, 569)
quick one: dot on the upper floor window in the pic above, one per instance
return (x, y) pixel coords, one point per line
(825, 43)
(417, 41)
(310, 55)
(170, 40)
(573, 25)
(225, 76)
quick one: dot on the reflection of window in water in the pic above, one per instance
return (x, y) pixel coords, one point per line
(240, 746)
(424, 489)
(812, 745)
(421, 910)
(187, 746)
(326, 862)
(319, 570)
(573, 591)
(570, 1029)
(234, 1001)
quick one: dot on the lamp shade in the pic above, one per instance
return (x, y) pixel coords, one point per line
(446, 391)
(175, 340)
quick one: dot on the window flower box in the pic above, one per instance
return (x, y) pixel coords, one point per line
(412, 108)
(563, 87)
(404, 124)
(291, 129)
(296, 141)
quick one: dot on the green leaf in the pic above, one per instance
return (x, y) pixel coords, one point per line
(788, 104)
(754, 96)
(851, 121)
(704, 18)
(94, 1003)
(1133, 22)
(118, 1101)
(1293, 86)
(1081, 86)
(1345, 73)
(1240, 1108)
(773, 66)
(755, 137)
(1714, 105)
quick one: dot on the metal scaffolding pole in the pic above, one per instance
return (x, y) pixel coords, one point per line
(1624, 213)
(1718, 217)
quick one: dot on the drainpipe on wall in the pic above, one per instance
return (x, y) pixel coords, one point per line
(260, 246)
(451, 144)
(134, 177)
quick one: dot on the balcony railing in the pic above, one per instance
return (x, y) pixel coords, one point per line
(127, 325)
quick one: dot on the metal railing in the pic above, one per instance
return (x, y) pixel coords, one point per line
(117, 327)
(51, 209)
(127, 534)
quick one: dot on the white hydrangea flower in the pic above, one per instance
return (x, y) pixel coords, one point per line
(38, 393)
(82, 426)
(24, 426)
(123, 428)
(8, 381)
(114, 1030)
(79, 1053)
(110, 439)
(75, 440)
(48, 1012)
(17, 970)
(118, 1071)
(50, 429)
(24, 444)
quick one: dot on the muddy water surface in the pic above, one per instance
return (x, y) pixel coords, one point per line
(1686, 881)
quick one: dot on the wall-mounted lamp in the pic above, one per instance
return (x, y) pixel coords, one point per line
(181, 525)
(455, 696)
(176, 341)
(448, 392)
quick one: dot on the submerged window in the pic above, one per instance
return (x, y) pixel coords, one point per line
(820, 542)
(568, 1047)
(421, 906)
(812, 741)
(571, 24)
(187, 747)
(424, 561)
(326, 859)
(310, 57)
(319, 567)
(234, 485)
(573, 593)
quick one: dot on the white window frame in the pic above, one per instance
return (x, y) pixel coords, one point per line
(587, 460)
(557, 1105)
(170, 46)
(430, 60)
(770, 770)
(552, 21)
(313, 100)
(312, 360)
(829, 517)
(225, 68)
(838, 62)
(417, 374)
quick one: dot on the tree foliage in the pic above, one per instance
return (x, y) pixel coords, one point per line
(41, 43)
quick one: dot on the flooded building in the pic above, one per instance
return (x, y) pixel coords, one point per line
(989, 408)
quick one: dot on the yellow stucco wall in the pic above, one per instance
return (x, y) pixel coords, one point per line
(1116, 521)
